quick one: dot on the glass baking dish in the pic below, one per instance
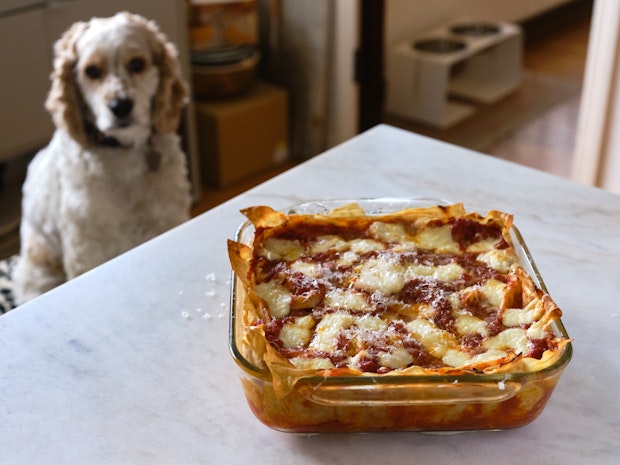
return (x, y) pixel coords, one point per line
(393, 403)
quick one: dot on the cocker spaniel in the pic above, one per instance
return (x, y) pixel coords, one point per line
(114, 174)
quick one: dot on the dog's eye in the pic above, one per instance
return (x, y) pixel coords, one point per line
(136, 65)
(93, 72)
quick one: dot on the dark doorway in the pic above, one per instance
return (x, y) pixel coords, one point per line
(370, 64)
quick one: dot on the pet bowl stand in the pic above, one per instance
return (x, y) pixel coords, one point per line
(441, 76)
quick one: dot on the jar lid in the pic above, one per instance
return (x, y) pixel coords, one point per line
(222, 55)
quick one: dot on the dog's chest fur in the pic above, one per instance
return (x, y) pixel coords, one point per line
(110, 200)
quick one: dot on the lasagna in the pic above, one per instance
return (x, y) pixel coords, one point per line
(420, 291)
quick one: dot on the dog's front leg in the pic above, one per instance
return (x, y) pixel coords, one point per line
(39, 268)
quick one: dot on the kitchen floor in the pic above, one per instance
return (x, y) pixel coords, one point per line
(555, 47)
(547, 142)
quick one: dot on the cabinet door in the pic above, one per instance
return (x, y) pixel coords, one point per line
(24, 83)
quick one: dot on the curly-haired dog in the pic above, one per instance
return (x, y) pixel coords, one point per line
(114, 174)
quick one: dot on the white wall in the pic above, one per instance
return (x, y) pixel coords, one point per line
(405, 18)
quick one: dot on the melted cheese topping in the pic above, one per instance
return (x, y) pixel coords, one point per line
(327, 331)
(438, 239)
(382, 275)
(355, 301)
(393, 295)
(277, 297)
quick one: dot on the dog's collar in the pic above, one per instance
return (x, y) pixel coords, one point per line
(152, 157)
(100, 139)
(107, 141)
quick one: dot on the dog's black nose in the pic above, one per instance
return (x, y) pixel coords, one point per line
(121, 107)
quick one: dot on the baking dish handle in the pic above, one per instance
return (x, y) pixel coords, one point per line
(353, 395)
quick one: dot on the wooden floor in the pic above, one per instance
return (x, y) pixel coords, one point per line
(555, 47)
(547, 142)
(213, 196)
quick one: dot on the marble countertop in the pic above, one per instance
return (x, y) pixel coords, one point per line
(129, 363)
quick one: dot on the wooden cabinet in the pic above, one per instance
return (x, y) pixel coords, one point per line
(24, 69)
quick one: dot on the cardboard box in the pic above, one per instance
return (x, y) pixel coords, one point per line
(242, 136)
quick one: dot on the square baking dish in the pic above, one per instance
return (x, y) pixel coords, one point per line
(393, 403)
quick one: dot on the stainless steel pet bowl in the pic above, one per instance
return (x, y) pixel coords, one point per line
(439, 45)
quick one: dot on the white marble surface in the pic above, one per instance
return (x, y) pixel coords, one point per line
(129, 363)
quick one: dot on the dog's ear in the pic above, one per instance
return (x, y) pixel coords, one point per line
(172, 93)
(64, 100)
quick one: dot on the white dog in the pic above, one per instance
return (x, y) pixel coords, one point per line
(114, 174)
